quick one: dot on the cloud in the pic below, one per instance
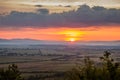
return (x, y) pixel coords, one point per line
(83, 17)
(43, 11)
(38, 5)
(67, 6)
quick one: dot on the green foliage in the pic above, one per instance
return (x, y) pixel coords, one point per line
(110, 70)
(111, 67)
(11, 73)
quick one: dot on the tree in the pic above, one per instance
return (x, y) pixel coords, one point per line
(11, 73)
(110, 70)
(111, 67)
(85, 72)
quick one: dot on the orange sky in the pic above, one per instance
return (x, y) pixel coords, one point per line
(64, 34)
(44, 14)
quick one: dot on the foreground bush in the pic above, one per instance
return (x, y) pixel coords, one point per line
(11, 73)
(109, 70)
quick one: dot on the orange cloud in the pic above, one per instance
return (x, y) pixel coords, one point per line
(103, 34)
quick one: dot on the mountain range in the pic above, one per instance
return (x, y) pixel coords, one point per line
(33, 41)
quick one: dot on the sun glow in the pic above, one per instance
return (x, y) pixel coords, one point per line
(72, 35)
(72, 39)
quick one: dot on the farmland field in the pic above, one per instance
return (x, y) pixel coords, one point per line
(45, 59)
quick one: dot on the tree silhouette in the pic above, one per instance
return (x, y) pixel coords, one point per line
(11, 73)
(110, 70)
(111, 67)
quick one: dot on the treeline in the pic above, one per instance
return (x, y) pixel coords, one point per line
(108, 69)
(22, 52)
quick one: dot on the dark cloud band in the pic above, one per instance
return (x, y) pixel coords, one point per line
(83, 17)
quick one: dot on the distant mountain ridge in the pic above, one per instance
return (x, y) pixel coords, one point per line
(26, 41)
(34, 41)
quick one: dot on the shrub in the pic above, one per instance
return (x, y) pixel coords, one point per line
(110, 70)
(11, 73)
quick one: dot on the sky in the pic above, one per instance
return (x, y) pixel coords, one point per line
(63, 20)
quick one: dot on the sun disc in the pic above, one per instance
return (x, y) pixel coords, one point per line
(72, 39)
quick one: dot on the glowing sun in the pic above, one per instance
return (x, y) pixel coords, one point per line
(72, 35)
(72, 39)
